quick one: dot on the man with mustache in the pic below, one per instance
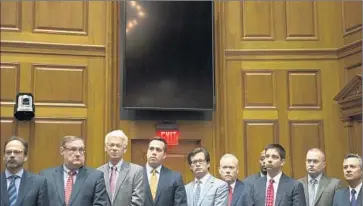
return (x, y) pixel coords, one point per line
(73, 184)
(18, 186)
(261, 173)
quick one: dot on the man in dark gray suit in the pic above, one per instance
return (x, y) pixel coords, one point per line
(319, 189)
(239, 193)
(164, 187)
(352, 195)
(73, 184)
(18, 186)
(124, 180)
(277, 189)
(261, 173)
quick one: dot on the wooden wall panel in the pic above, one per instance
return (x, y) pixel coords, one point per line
(7, 129)
(351, 16)
(304, 135)
(301, 13)
(10, 16)
(9, 82)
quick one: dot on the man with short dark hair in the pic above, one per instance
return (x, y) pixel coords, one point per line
(18, 186)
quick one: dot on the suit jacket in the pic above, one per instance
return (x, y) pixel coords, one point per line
(342, 197)
(250, 179)
(89, 188)
(214, 193)
(242, 194)
(326, 190)
(130, 189)
(170, 191)
(290, 192)
(32, 191)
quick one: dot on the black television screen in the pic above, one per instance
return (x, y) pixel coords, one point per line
(168, 55)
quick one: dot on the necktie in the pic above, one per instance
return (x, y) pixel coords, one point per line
(113, 180)
(353, 201)
(312, 191)
(270, 193)
(69, 187)
(153, 183)
(13, 195)
(230, 194)
(197, 194)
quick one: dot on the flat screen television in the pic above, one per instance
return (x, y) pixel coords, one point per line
(168, 61)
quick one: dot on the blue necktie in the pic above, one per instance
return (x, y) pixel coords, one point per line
(353, 201)
(12, 190)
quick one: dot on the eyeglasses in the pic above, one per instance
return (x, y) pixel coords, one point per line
(73, 150)
(194, 162)
(16, 152)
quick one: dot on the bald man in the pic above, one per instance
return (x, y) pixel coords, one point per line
(261, 173)
(239, 193)
(319, 189)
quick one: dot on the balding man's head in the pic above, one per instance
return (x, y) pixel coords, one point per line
(315, 162)
(228, 168)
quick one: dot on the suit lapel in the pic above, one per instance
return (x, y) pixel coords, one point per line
(237, 192)
(359, 200)
(324, 181)
(161, 184)
(106, 175)
(124, 170)
(58, 177)
(80, 179)
(305, 185)
(147, 186)
(24, 187)
(4, 190)
(346, 196)
(209, 183)
(280, 193)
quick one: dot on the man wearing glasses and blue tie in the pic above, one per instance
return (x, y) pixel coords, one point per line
(18, 186)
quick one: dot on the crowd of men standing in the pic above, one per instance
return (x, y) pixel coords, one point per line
(121, 183)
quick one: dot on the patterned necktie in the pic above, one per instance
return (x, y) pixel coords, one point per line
(353, 201)
(270, 193)
(153, 183)
(312, 191)
(230, 195)
(13, 194)
(113, 180)
(197, 194)
(69, 187)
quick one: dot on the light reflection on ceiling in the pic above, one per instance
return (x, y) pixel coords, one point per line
(139, 15)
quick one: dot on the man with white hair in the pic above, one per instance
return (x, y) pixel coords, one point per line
(124, 180)
(238, 191)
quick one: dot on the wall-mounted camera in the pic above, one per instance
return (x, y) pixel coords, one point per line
(24, 109)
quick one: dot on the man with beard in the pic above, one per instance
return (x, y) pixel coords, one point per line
(18, 186)
(277, 189)
(352, 195)
(124, 180)
(163, 187)
(261, 173)
(72, 184)
(319, 189)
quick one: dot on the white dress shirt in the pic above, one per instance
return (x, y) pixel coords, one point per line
(149, 169)
(66, 170)
(357, 189)
(233, 185)
(275, 184)
(203, 180)
(118, 169)
(17, 180)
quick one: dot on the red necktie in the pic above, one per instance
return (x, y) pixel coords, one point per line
(69, 187)
(270, 193)
(113, 179)
(230, 193)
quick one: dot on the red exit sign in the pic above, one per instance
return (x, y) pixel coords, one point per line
(171, 136)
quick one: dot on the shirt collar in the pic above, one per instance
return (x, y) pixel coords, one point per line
(118, 165)
(233, 185)
(317, 178)
(19, 174)
(357, 189)
(149, 169)
(66, 170)
(276, 178)
(203, 179)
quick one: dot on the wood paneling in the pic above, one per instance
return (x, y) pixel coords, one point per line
(10, 16)
(7, 130)
(352, 13)
(9, 82)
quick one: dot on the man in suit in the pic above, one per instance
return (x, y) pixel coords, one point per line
(73, 184)
(239, 193)
(205, 190)
(18, 186)
(124, 181)
(163, 187)
(319, 189)
(352, 195)
(277, 189)
(261, 173)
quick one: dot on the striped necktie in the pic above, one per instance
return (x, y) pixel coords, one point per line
(196, 194)
(13, 194)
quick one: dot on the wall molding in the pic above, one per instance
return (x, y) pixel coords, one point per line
(294, 54)
(27, 47)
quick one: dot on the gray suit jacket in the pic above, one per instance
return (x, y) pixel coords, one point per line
(326, 190)
(89, 188)
(290, 192)
(214, 193)
(250, 179)
(342, 197)
(130, 189)
(32, 191)
(242, 194)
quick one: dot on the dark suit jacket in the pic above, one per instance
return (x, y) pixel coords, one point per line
(342, 197)
(250, 179)
(242, 194)
(89, 188)
(170, 191)
(32, 191)
(290, 192)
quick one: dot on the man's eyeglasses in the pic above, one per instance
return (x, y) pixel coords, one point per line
(15, 152)
(73, 150)
(194, 162)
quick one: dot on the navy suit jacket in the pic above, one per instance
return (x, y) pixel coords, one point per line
(170, 191)
(242, 194)
(32, 191)
(342, 197)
